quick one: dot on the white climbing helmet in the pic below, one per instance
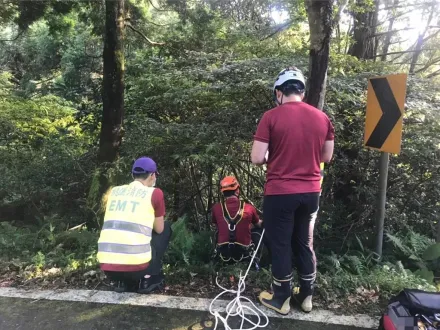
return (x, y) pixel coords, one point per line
(291, 73)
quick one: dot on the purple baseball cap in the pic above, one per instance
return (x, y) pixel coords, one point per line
(144, 165)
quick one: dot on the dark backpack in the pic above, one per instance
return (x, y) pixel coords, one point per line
(409, 307)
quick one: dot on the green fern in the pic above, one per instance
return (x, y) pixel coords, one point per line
(181, 244)
(355, 264)
(399, 244)
(419, 243)
(333, 261)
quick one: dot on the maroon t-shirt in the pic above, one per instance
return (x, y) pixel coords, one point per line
(296, 133)
(243, 229)
(158, 203)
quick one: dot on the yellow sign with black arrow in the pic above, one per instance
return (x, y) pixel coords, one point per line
(384, 118)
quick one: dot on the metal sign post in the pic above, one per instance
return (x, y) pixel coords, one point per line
(383, 179)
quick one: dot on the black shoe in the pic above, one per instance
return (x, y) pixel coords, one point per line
(121, 286)
(153, 283)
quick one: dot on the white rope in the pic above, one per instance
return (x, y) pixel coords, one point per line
(236, 306)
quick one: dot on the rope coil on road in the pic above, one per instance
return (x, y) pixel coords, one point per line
(236, 307)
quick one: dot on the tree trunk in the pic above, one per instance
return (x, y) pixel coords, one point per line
(420, 42)
(210, 174)
(319, 14)
(113, 105)
(387, 41)
(176, 190)
(341, 4)
(113, 83)
(365, 21)
(438, 232)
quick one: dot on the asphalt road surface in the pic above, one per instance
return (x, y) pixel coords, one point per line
(26, 314)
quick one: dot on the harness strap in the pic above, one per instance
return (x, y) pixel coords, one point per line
(233, 222)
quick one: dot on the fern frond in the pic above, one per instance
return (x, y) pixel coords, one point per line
(355, 264)
(399, 244)
(334, 261)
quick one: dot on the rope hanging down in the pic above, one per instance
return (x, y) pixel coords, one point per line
(236, 306)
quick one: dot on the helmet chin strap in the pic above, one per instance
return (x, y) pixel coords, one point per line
(280, 102)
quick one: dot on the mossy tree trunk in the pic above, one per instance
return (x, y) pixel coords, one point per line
(320, 16)
(365, 25)
(112, 98)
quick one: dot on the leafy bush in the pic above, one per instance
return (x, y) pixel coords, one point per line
(17, 242)
(386, 280)
(47, 248)
(417, 252)
(187, 248)
(44, 164)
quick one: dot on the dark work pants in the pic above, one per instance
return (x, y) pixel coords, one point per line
(159, 244)
(289, 221)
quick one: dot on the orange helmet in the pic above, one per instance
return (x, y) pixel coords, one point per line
(229, 183)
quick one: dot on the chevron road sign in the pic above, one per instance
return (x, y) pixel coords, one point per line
(384, 118)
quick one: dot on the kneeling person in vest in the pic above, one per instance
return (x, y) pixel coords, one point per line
(134, 235)
(234, 220)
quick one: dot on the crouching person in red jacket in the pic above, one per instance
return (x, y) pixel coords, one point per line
(237, 223)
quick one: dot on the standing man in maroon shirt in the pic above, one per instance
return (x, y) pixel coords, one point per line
(298, 137)
(234, 220)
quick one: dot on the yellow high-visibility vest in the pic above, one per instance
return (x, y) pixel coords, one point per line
(128, 226)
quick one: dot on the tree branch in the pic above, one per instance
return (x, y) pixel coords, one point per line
(277, 30)
(153, 43)
(401, 63)
(398, 42)
(392, 17)
(434, 74)
(404, 52)
(128, 21)
(390, 32)
(158, 9)
(410, 5)
(431, 36)
(430, 63)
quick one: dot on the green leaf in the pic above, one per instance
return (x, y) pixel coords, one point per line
(425, 274)
(432, 252)
(360, 243)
